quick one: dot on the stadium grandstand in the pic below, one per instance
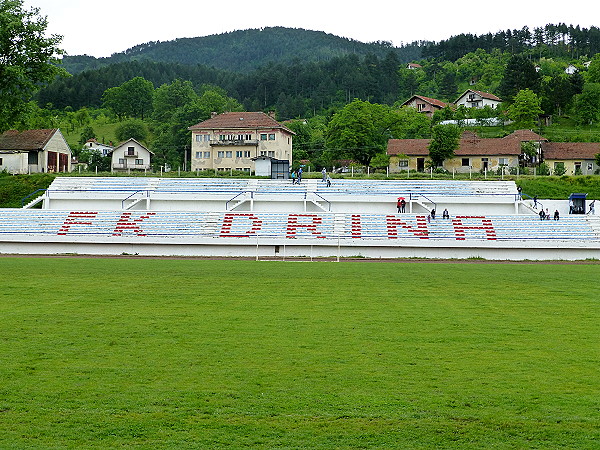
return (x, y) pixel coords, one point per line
(260, 218)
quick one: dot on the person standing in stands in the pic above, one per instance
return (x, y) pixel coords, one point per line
(445, 214)
(299, 175)
(293, 177)
(556, 215)
(433, 214)
(542, 214)
(328, 181)
(324, 174)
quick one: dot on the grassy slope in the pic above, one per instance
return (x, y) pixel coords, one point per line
(101, 353)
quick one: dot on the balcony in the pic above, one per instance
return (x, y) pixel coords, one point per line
(237, 142)
(117, 166)
(128, 154)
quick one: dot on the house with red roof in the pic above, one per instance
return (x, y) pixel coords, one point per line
(34, 151)
(233, 140)
(575, 157)
(425, 105)
(477, 99)
(473, 154)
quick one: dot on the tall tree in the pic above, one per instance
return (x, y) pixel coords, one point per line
(519, 74)
(27, 59)
(359, 131)
(526, 109)
(132, 99)
(444, 141)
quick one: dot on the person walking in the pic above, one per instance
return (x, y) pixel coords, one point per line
(324, 174)
(592, 212)
(299, 175)
(328, 181)
(293, 177)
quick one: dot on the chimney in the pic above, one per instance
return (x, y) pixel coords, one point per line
(272, 114)
(213, 114)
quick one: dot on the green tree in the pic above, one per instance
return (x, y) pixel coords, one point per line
(526, 109)
(87, 134)
(587, 105)
(359, 131)
(132, 99)
(593, 72)
(134, 128)
(520, 74)
(27, 60)
(445, 140)
(169, 97)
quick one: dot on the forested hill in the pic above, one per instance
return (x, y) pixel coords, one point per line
(246, 50)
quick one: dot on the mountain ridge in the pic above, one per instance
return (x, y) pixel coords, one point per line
(246, 50)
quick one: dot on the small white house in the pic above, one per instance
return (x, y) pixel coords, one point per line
(130, 155)
(477, 99)
(94, 145)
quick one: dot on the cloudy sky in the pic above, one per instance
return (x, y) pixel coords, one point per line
(100, 28)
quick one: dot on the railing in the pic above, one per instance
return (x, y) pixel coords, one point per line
(131, 195)
(234, 142)
(236, 196)
(30, 195)
(322, 198)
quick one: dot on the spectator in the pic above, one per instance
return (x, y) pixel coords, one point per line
(328, 180)
(299, 175)
(445, 214)
(592, 208)
(324, 174)
(556, 215)
(542, 214)
(433, 214)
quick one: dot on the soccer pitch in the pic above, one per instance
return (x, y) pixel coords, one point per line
(183, 353)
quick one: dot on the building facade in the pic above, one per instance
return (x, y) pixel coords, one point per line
(34, 151)
(477, 99)
(231, 140)
(577, 158)
(130, 155)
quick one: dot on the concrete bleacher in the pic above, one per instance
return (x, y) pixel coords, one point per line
(312, 195)
(287, 225)
(242, 217)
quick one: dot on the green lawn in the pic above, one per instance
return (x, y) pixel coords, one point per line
(151, 353)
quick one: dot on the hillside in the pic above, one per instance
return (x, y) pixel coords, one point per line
(245, 50)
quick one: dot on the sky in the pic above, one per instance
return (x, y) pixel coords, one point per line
(103, 27)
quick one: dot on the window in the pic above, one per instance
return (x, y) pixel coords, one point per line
(139, 162)
(263, 137)
(484, 163)
(238, 154)
(130, 151)
(198, 154)
(271, 154)
(247, 154)
(272, 136)
(121, 160)
(220, 154)
(0, 161)
(503, 161)
(198, 138)
(263, 153)
(248, 137)
(466, 162)
(206, 154)
(403, 163)
(228, 154)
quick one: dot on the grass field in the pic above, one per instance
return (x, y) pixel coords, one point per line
(150, 353)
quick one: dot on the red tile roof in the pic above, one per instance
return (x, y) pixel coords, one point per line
(26, 140)
(470, 145)
(481, 93)
(431, 101)
(239, 120)
(525, 136)
(570, 150)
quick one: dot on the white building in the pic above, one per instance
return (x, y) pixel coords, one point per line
(94, 145)
(477, 99)
(130, 155)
